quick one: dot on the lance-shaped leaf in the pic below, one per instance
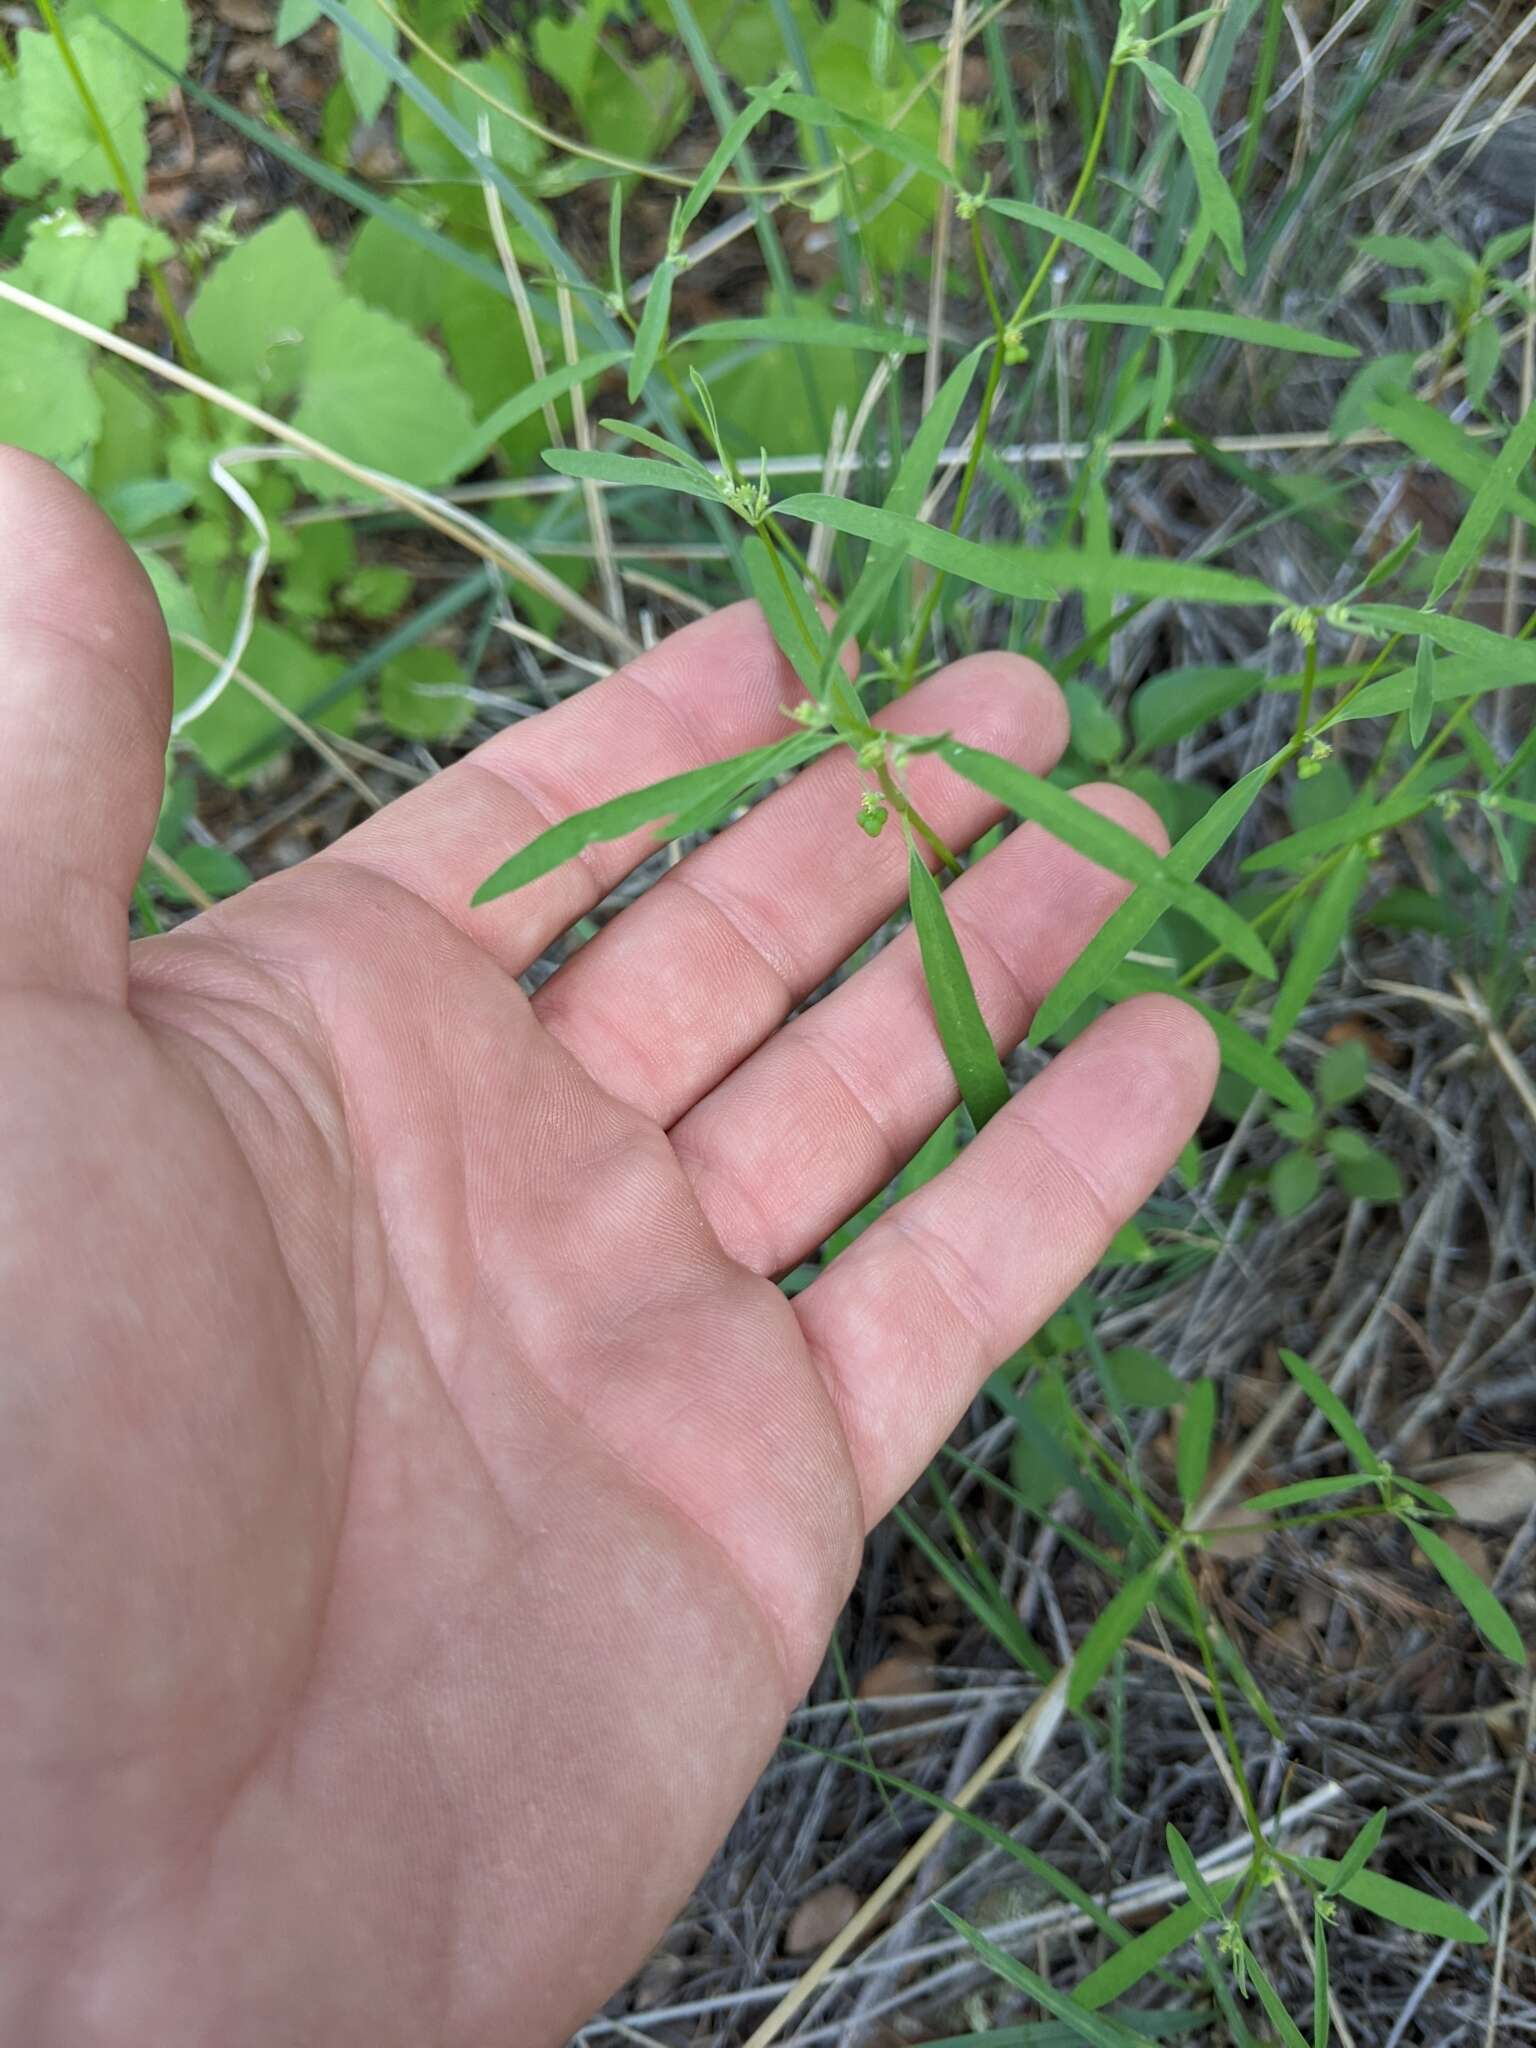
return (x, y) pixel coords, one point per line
(1403, 1904)
(1196, 320)
(609, 468)
(1114, 1624)
(1488, 1612)
(1129, 925)
(1038, 573)
(806, 331)
(1218, 208)
(621, 815)
(1103, 841)
(652, 331)
(1319, 939)
(725, 152)
(1092, 241)
(1093, 2027)
(530, 399)
(967, 1042)
(1492, 501)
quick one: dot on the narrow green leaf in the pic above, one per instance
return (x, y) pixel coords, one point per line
(532, 398)
(1516, 658)
(1105, 842)
(1358, 1854)
(1403, 1904)
(913, 475)
(1197, 320)
(967, 1042)
(1327, 1402)
(1421, 707)
(1273, 2004)
(1129, 925)
(1218, 207)
(1303, 1491)
(1439, 441)
(1064, 1887)
(792, 618)
(1488, 1612)
(725, 152)
(652, 331)
(622, 815)
(1192, 1456)
(1186, 1869)
(669, 451)
(1359, 822)
(1319, 939)
(1092, 241)
(1320, 2024)
(1384, 570)
(817, 112)
(1037, 573)
(609, 468)
(1115, 1623)
(1123, 1971)
(1088, 2026)
(804, 331)
(1487, 507)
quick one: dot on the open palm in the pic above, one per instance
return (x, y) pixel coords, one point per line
(420, 1506)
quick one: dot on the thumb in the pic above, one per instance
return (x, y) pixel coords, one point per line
(84, 712)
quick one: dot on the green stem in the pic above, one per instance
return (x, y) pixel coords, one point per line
(1219, 1700)
(181, 340)
(1080, 190)
(1308, 685)
(1079, 193)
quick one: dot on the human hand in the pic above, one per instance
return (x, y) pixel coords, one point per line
(421, 1508)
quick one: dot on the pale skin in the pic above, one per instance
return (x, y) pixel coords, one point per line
(419, 1506)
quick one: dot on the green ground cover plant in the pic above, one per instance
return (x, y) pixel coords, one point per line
(780, 290)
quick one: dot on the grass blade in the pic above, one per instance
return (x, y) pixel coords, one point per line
(1088, 2026)
(1092, 241)
(1488, 1612)
(1320, 2026)
(967, 1042)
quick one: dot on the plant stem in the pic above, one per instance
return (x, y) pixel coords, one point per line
(924, 620)
(181, 340)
